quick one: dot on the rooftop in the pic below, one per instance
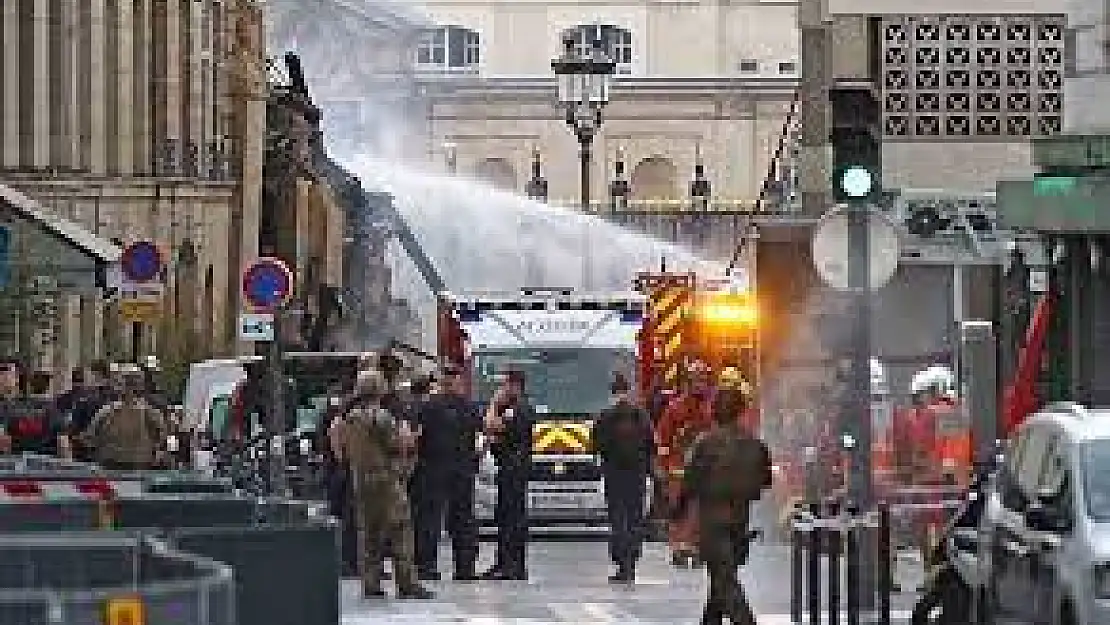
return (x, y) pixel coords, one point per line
(96, 248)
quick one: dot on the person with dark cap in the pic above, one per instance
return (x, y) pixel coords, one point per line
(727, 470)
(624, 441)
(508, 422)
(443, 483)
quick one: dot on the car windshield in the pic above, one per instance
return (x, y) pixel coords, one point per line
(1096, 478)
(570, 381)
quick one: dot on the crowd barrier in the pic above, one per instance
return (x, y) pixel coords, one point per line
(841, 564)
(85, 578)
(285, 554)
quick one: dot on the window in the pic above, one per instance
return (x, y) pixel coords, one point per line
(1096, 478)
(788, 67)
(449, 47)
(561, 381)
(616, 41)
(749, 66)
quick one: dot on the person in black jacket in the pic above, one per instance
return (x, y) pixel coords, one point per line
(508, 421)
(442, 487)
(624, 442)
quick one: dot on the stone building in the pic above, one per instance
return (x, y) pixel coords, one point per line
(711, 77)
(357, 60)
(143, 120)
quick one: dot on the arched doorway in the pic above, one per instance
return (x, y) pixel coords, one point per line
(498, 173)
(654, 178)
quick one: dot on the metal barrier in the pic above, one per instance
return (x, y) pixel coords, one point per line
(55, 476)
(272, 589)
(111, 578)
(834, 549)
(258, 538)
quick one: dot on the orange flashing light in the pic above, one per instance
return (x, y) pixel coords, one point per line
(728, 310)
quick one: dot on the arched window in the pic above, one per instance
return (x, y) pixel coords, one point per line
(654, 178)
(617, 42)
(449, 47)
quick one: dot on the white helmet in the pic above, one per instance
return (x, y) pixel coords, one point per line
(938, 379)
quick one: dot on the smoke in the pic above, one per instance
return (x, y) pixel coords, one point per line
(356, 57)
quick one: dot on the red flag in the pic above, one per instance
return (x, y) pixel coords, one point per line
(1020, 399)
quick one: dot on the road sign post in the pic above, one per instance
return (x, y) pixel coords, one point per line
(140, 294)
(267, 289)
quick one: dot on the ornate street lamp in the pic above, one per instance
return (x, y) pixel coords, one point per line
(583, 92)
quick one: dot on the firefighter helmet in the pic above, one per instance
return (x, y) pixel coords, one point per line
(731, 379)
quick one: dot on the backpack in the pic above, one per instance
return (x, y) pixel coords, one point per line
(114, 439)
(737, 467)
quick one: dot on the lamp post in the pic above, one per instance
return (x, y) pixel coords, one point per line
(583, 90)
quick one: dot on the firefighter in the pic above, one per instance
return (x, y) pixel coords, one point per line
(624, 442)
(685, 417)
(508, 422)
(370, 439)
(727, 470)
(128, 434)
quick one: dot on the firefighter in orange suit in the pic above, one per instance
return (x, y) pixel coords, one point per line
(685, 417)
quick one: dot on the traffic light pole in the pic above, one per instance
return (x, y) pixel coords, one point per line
(858, 408)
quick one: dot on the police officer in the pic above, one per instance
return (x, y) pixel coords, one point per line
(128, 434)
(726, 471)
(370, 440)
(624, 442)
(508, 422)
(443, 483)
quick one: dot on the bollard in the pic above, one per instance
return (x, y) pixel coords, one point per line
(796, 547)
(886, 564)
(813, 587)
(852, 555)
(835, 540)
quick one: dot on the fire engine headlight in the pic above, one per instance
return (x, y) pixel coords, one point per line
(305, 446)
(1101, 581)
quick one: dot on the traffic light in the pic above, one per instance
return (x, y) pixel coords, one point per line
(856, 143)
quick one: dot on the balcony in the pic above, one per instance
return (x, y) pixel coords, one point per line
(711, 230)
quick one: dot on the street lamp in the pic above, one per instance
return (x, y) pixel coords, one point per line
(583, 82)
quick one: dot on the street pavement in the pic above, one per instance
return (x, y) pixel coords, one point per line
(568, 584)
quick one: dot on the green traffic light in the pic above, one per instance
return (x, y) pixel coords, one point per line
(856, 181)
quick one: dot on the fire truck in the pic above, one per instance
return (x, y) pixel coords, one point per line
(569, 346)
(692, 318)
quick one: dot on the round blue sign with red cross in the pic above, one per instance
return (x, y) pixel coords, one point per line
(267, 284)
(141, 262)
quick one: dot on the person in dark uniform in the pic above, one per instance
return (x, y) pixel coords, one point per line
(624, 442)
(443, 482)
(508, 421)
(726, 471)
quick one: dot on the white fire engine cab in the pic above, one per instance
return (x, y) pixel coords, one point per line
(569, 346)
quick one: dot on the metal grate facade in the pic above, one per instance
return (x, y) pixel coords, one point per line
(972, 77)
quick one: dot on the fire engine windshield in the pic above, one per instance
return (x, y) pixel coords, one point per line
(573, 381)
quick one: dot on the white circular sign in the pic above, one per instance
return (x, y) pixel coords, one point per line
(856, 181)
(830, 249)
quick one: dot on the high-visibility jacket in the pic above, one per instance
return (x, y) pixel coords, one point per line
(952, 453)
(684, 418)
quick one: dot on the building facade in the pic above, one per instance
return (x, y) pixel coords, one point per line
(144, 120)
(714, 80)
